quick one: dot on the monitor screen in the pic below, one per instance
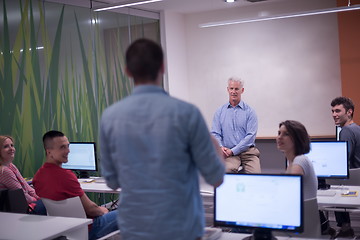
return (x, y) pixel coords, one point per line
(330, 159)
(337, 129)
(260, 202)
(82, 157)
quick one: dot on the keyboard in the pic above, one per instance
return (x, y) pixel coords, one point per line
(328, 193)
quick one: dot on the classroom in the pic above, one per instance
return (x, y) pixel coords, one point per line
(292, 67)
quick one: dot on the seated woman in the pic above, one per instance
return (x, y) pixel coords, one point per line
(10, 177)
(294, 141)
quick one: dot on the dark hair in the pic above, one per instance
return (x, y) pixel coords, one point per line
(346, 102)
(49, 136)
(144, 59)
(299, 135)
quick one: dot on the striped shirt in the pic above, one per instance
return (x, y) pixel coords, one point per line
(10, 178)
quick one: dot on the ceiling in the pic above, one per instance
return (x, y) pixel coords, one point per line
(191, 6)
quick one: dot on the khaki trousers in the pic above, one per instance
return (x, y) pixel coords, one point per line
(249, 160)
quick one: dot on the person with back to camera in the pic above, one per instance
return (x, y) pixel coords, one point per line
(293, 140)
(11, 178)
(343, 112)
(235, 126)
(56, 183)
(154, 146)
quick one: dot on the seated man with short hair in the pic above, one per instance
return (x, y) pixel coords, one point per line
(53, 182)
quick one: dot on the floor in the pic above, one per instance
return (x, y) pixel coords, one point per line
(355, 222)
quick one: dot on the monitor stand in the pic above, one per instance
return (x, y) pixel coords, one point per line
(322, 185)
(84, 174)
(261, 234)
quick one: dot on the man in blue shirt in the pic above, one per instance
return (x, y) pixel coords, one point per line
(342, 112)
(234, 126)
(153, 146)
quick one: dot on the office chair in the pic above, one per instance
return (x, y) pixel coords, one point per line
(14, 201)
(3, 200)
(312, 224)
(71, 207)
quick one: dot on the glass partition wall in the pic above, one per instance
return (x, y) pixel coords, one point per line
(60, 67)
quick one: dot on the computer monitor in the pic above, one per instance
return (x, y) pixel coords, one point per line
(260, 203)
(330, 160)
(337, 132)
(82, 158)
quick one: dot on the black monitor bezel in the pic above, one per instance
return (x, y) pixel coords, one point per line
(321, 177)
(241, 228)
(96, 159)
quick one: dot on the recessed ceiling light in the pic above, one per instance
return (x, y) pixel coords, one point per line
(230, 1)
(126, 3)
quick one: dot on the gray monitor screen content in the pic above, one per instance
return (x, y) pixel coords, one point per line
(330, 159)
(82, 157)
(260, 202)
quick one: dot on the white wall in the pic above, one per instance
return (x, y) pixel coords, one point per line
(290, 66)
(173, 30)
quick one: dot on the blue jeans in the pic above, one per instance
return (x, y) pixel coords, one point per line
(39, 208)
(103, 225)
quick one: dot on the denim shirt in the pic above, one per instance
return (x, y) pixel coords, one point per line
(153, 146)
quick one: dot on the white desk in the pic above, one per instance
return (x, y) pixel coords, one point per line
(239, 236)
(14, 226)
(97, 187)
(340, 201)
(323, 201)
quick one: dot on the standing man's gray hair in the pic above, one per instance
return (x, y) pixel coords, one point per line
(236, 79)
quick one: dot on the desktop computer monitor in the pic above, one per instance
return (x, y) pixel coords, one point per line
(330, 160)
(260, 203)
(82, 158)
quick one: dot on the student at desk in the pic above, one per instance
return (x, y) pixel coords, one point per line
(294, 141)
(11, 178)
(53, 182)
(342, 112)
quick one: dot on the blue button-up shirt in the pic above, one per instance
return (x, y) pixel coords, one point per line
(153, 146)
(235, 127)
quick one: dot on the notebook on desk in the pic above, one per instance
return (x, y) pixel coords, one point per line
(100, 180)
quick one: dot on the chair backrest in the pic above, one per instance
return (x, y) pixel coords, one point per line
(3, 200)
(71, 207)
(354, 179)
(17, 201)
(312, 224)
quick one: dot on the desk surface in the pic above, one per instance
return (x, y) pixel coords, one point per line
(98, 187)
(338, 200)
(239, 236)
(90, 185)
(34, 227)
